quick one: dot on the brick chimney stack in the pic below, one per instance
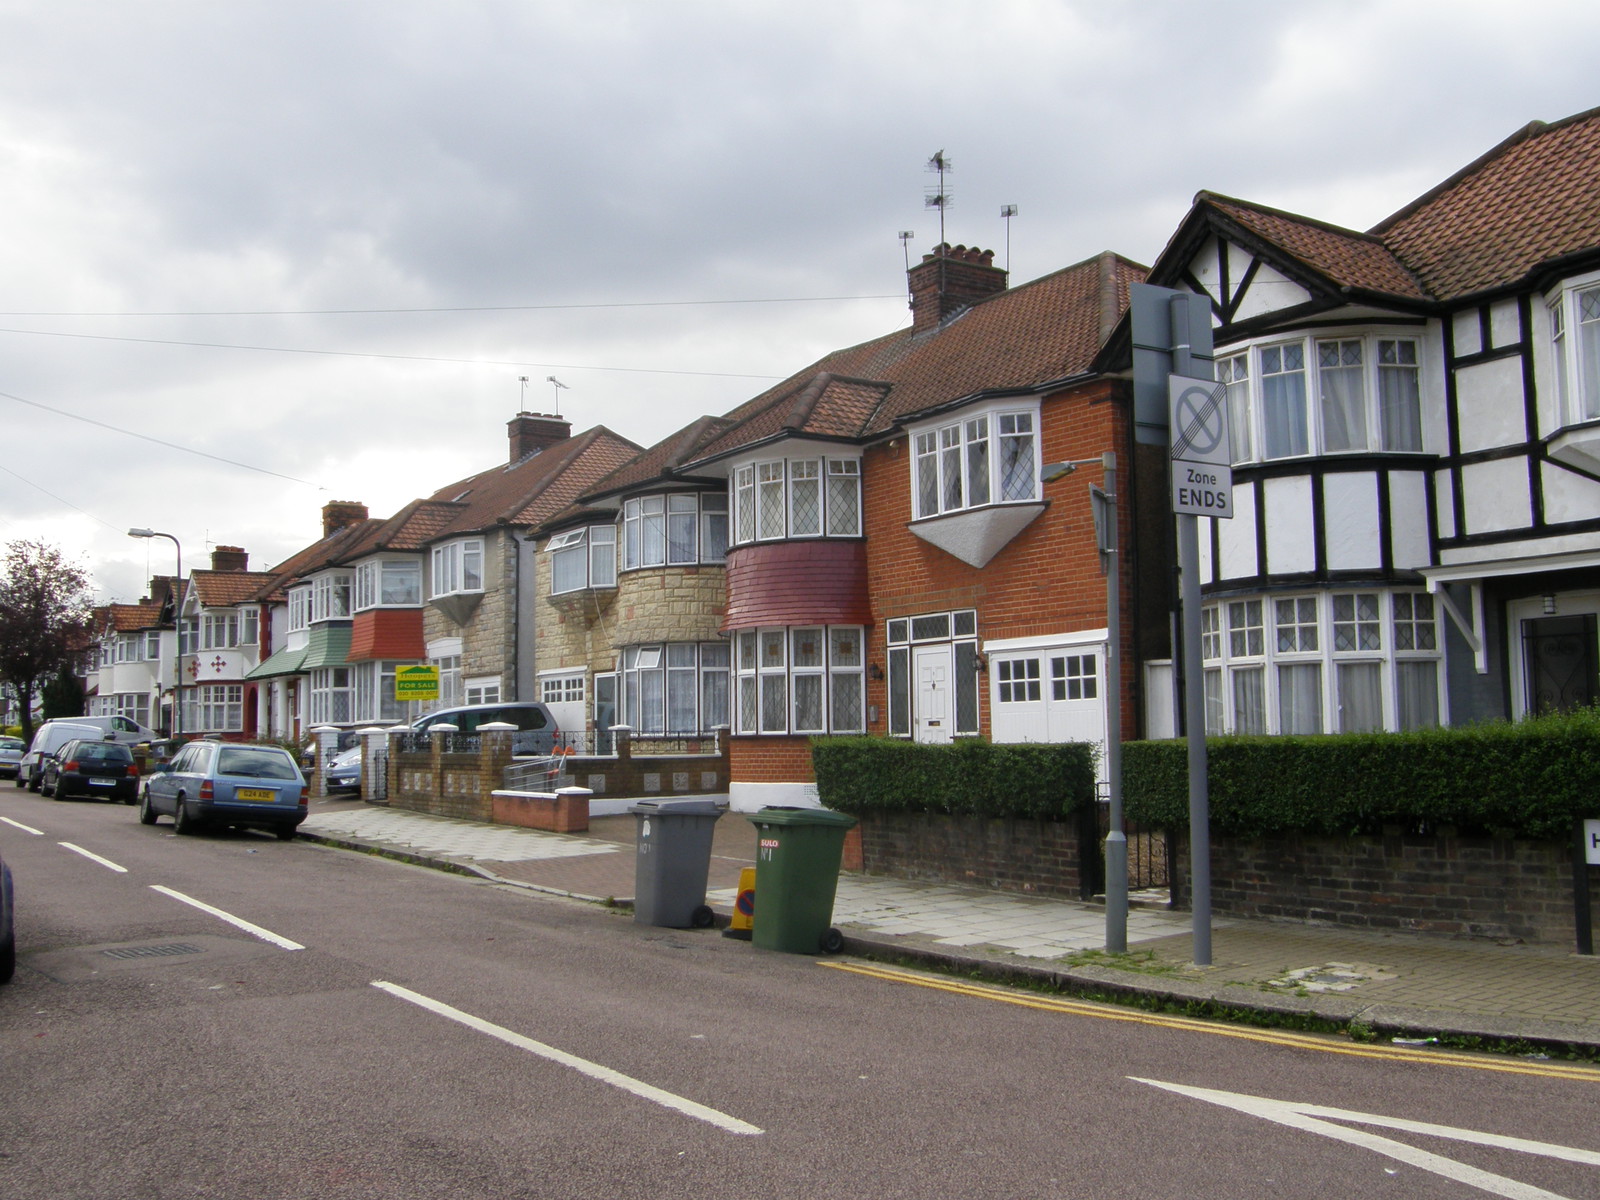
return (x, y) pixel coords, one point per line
(950, 279)
(339, 514)
(532, 432)
(229, 558)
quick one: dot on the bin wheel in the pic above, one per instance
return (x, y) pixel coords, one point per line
(831, 941)
(702, 917)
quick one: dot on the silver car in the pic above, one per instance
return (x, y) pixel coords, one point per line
(11, 752)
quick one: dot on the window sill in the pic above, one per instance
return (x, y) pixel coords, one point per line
(1577, 446)
(976, 535)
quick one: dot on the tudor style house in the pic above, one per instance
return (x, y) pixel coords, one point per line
(869, 546)
(1415, 415)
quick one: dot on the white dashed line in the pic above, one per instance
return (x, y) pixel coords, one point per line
(93, 857)
(266, 935)
(24, 828)
(582, 1065)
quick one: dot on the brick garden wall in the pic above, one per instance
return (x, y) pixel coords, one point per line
(1011, 855)
(1464, 886)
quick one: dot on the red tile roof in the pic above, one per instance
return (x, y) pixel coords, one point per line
(1530, 201)
(223, 589)
(1044, 331)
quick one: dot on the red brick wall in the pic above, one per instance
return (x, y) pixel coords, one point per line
(1035, 857)
(1476, 887)
(818, 582)
(1046, 580)
(770, 759)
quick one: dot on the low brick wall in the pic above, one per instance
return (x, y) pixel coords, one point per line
(1464, 886)
(1043, 858)
(566, 811)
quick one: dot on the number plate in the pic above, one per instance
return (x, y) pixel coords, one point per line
(255, 794)
(102, 782)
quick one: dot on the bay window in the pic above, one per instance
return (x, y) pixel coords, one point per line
(388, 583)
(374, 699)
(332, 694)
(978, 460)
(458, 567)
(1345, 395)
(583, 558)
(299, 608)
(802, 680)
(330, 596)
(678, 529)
(1577, 358)
(1335, 662)
(214, 708)
(678, 689)
(795, 498)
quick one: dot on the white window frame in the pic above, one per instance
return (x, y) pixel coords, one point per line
(375, 580)
(762, 498)
(457, 568)
(959, 465)
(330, 596)
(1388, 359)
(1372, 640)
(1574, 313)
(958, 630)
(830, 660)
(300, 608)
(563, 689)
(672, 529)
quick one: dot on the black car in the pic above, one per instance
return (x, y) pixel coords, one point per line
(91, 768)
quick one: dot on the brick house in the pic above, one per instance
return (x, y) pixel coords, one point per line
(868, 546)
(1416, 421)
(219, 645)
(441, 581)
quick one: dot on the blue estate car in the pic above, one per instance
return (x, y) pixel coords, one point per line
(227, 783)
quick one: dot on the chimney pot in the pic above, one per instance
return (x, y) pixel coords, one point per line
(532, 432)
(339, 514)
(229, 558)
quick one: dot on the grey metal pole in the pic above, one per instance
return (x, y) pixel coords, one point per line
(1194, 722)
(1117, 838)
(1194, 697)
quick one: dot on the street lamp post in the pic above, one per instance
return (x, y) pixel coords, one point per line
(177, 613)
(1104, 501)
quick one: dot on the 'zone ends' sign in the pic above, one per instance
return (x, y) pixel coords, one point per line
(1202, 463)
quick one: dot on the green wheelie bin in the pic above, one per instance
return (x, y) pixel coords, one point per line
(797, 873)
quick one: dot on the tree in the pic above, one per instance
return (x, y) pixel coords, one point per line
(44, 619)
(62, 695)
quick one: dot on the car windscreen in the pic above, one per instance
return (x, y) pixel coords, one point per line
(255, 762)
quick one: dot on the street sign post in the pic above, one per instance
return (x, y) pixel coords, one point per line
(1202, 462)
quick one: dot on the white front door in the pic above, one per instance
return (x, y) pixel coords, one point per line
(935, 714)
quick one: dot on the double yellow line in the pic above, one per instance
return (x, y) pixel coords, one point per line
(1323, 1043)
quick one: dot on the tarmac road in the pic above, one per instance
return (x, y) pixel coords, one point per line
(526, 1046)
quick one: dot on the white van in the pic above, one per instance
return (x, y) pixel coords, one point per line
(116, 729)
(49, 738)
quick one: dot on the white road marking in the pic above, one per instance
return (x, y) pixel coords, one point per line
(24, 828)
(582, 1065)
(1305, 1117)
(266, 935)
(93, 857)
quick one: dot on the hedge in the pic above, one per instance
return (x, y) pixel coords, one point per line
(1530, 779)
(970, 777)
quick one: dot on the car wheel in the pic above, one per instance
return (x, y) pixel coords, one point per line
(147, 815)
(182, 821)
(51, 789)
(287, 833)
(33, 783)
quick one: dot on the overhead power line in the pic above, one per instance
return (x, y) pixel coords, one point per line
(485, 362)
(464, 308)
(232, 462)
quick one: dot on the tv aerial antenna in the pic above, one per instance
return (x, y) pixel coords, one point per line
(1007, 211)
(558, 386)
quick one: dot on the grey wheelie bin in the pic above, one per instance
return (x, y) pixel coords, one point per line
(673, 860)
(798, 851)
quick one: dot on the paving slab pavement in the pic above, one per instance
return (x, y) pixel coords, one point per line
(1394, 982)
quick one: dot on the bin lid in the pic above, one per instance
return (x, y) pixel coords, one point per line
(782, 814)
(679, 808)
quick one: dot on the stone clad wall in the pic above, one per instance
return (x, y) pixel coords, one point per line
(1465, 886)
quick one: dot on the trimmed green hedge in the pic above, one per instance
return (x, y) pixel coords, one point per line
(970, 777)
(1530, 779)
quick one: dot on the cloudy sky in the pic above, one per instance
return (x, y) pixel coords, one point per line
(261, 255)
